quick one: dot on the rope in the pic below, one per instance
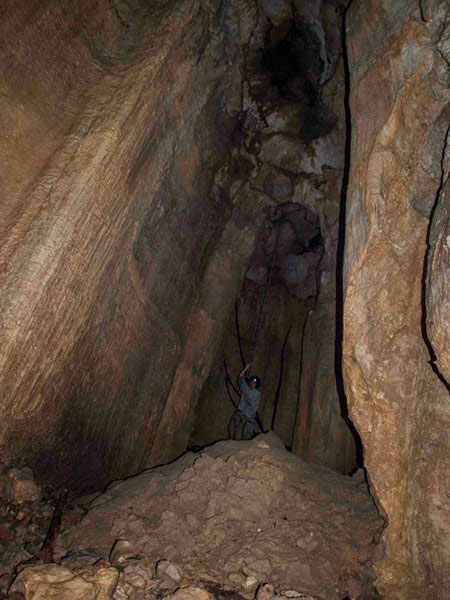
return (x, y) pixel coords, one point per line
(269, 277)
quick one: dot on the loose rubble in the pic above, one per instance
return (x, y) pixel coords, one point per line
(24, 521)
(238, 521)
(234, 518)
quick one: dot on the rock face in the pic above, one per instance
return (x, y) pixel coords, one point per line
(398, 58)
(438, 274)
(109, 300)
(145, 146)
(240, 514)
(132, 202)
(294, 135)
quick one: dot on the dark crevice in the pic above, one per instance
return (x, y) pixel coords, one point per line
(443, 181)
(341, 248)
(295, 68)
(229, 385)
(280, 380)
(422, 12)
(238, 332)
(300, 373)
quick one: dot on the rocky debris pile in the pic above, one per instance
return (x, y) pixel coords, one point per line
(229, 520)
(24, 520)
(135, 579)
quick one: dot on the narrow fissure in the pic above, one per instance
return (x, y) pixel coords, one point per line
(341, 246)
(444, 179)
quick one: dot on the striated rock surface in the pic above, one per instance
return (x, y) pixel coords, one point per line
(399, 104)
(117, 241)
(238, 515)
(144, 145)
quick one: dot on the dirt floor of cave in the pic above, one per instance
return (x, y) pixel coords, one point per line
(239, 512)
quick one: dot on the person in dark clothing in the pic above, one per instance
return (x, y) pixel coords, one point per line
(247, 407)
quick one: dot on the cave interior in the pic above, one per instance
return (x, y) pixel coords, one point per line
(192, 186)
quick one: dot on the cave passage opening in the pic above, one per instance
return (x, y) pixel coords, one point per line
(296, 132)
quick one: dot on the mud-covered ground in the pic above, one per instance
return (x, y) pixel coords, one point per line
(242, 519)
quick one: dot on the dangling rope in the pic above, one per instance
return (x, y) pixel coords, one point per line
(269, 277)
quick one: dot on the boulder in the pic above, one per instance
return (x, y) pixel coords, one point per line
(24, 488)
(53, 582)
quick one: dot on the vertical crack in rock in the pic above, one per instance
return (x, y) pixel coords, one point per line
(445, 177)
(341, 246)
(422, 12)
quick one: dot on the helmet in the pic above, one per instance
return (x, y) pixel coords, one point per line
(255, 378)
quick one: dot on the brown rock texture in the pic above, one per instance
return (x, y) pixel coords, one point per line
(115, 247)
(294, 136)
(144, 144)
(240, 514)
(438, 272)
(398, 58)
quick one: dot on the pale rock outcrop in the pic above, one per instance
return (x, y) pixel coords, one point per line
(24, 487)
(54, 582)
(191, 593)
(399, 105)
(438, 272)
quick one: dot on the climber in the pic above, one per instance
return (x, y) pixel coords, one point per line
(247, 407)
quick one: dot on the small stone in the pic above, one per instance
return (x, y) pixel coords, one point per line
(138, 574)
(165, 569)
(24, 488)
(23, 473)
(121, 551)
(237, 578)
(6, 533)
(265, 592)
(298, 595)
(192, 522)
(124, 591)
(104, 579)
(307, 542)
(250, 584)
(6, 490)
(54, 582)
(191, 593)
(136, 580)
(258, 567)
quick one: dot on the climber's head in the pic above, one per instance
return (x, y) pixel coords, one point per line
(254, 382)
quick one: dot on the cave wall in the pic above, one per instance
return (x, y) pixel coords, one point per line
(396, 284)
(110, 305)
(294, 132)
(137, 178)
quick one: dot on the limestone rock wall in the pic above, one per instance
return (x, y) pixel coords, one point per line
(294, 137)
(398, 55)
(116, 246)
